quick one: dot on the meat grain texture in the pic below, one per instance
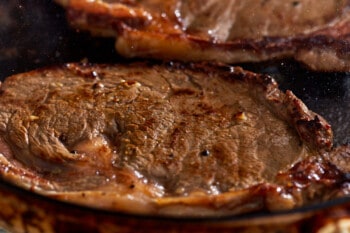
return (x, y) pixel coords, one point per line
(168, 139)
(314, 32)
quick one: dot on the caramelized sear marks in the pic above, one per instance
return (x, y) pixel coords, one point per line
(313, 32)
(171, 138)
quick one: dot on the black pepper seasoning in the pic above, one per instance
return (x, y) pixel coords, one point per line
(205, 153)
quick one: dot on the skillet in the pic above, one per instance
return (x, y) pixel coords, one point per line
(34, 33)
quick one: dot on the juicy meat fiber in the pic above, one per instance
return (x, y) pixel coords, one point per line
(191, 139)
(314, 32)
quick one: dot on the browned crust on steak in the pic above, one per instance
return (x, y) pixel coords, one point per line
(142, 31)
(103, 155)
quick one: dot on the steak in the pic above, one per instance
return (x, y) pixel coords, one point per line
(170, 138)
(313, 32)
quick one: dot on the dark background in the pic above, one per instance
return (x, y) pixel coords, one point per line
(34, 33)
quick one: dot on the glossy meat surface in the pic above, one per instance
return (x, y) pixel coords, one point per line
(183, 139)
(315, 33)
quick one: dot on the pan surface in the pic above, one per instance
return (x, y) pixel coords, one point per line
(34, 34)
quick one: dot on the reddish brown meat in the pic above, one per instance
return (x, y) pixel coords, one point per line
(313, 32)
(194, 139)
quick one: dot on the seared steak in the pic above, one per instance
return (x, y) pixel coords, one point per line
(172, 138)
(315, 32)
